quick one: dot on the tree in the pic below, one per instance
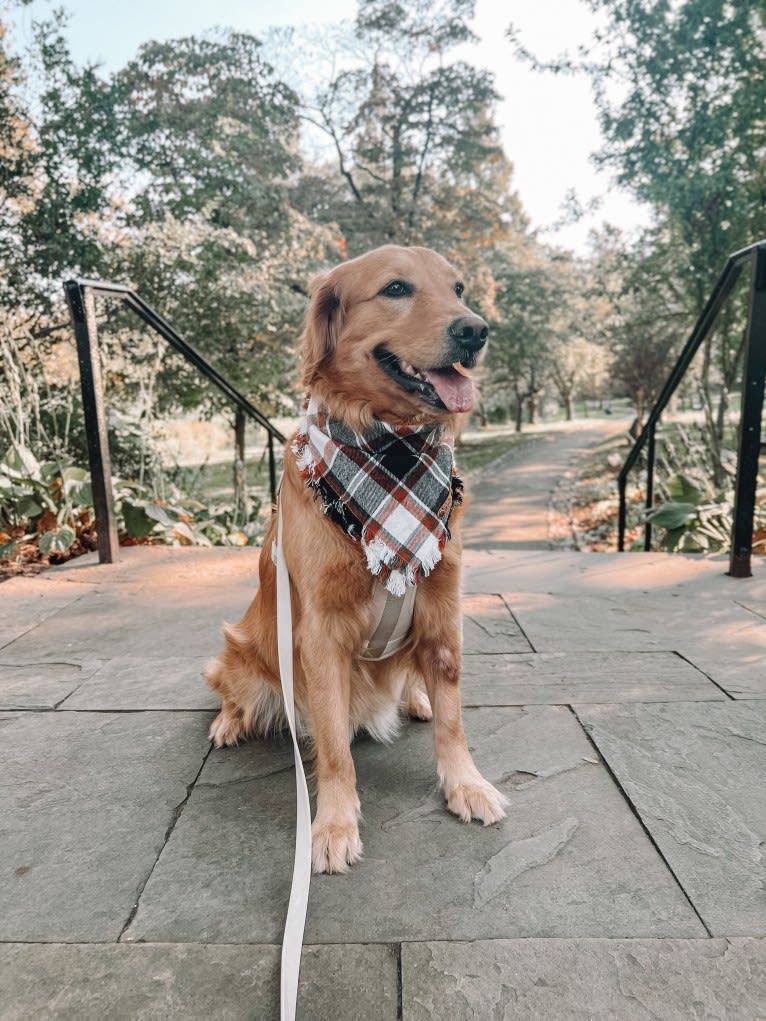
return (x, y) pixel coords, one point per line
(521, 335)
(75, 162)
(578, 366)
(685, 131)
(16, 165)
(170, 176)
(682, 99)
(211, 132)
(680, 95)
(56, 163)
(412, 134)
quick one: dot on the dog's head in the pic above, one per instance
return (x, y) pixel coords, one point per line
(388, 335)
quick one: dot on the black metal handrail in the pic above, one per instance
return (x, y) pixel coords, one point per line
(749, 443)
(80, 294)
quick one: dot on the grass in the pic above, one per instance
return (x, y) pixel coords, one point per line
(213, 480)
(476, 450)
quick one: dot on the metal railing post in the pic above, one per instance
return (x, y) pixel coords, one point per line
(752, 405)
(81, 306)
(622, 484)
(272, 472)
(649, 502)
(80, 296)
(749, 450)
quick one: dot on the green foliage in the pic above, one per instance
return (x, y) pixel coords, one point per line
(181, 520)
(439, 25)
(681, 489)
(46, 513)
(43, 504)
(63, 198)
(685, 133)
(680, 95)
(691, 522)
(213, 130)
(185, 175)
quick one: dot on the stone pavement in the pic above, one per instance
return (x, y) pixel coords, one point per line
(618, 700)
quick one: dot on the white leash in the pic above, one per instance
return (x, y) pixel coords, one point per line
(292, 941)
(392, 624)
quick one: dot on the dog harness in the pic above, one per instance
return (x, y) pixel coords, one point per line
(392, 623)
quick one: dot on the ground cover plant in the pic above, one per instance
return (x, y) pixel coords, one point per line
(691, 515)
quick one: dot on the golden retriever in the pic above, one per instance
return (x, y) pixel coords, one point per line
(382, 334)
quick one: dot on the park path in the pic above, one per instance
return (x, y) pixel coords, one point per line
(510, 499)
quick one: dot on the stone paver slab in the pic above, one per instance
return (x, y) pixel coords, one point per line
(620, 620)
(167, 982)
(489, 627)
(26, 603)
(86, 800)
(562, 678)
(602, 573)
(570, 860)
(41, 685)
(737, 663)
(585, 980)
(130, 620)
(128, 682)
(573, 622)
(695, 774)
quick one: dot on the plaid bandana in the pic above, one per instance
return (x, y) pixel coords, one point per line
(392, 488)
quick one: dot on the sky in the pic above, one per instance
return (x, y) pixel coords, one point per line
(548, 123)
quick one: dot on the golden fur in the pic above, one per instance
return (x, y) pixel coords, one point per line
(336, 693)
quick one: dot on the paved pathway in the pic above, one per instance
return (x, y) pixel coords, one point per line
(618, 700)
(510, 505)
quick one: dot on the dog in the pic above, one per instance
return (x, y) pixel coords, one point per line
(387, 347)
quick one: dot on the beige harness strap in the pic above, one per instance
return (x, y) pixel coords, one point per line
(292, 940)
(392, 621)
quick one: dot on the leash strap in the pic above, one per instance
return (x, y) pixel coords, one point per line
(295, 923)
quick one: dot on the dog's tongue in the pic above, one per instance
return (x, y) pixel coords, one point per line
(454, 388)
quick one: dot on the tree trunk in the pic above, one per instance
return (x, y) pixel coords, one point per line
(532, 408)
(519, 411)
(568, 407)
(532, 397)
(640, 404)
(241, 501)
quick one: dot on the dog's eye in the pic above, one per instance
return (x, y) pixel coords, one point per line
(397, 289)
(459, 288)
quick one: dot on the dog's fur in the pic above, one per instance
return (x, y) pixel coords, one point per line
(337, 693)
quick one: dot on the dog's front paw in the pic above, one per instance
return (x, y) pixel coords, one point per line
(477, 800)
(334, 846)
(227, 728)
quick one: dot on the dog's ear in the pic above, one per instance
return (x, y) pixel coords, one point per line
(324, 320)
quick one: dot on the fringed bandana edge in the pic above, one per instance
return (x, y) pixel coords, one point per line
(391, 488)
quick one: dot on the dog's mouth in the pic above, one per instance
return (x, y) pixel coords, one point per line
(447, 387)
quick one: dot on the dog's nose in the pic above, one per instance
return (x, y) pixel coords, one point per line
(469, 332)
